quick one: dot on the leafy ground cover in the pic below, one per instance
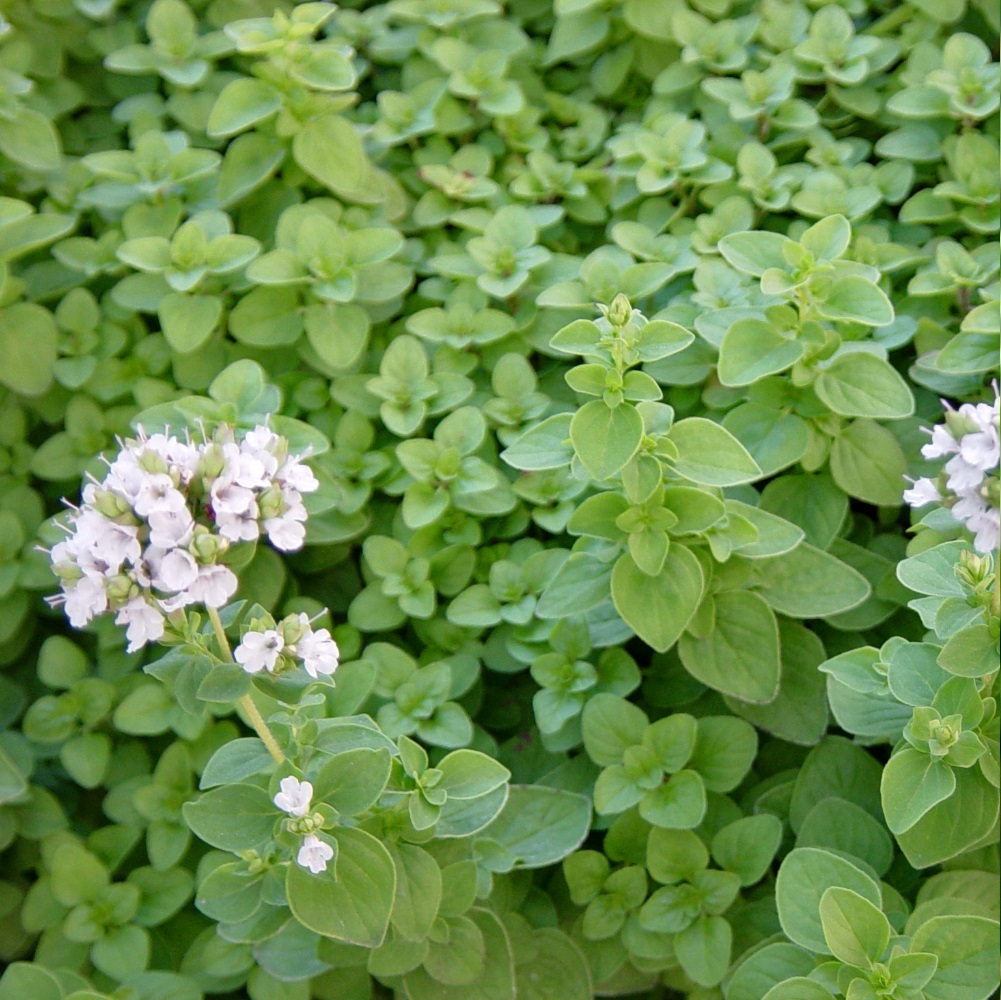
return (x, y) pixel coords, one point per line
(533, 481)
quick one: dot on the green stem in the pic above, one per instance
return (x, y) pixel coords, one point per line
(246, 702)
(996, 595)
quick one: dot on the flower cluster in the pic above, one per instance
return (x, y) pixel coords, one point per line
(278, 648)
(295, 799)
(149, 538)
(968, 484)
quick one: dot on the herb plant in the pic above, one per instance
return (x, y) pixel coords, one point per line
(499, 501)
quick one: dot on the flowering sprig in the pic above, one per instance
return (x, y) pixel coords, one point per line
(276, 648)
(149, 539)
(295, 798)
(968, 484)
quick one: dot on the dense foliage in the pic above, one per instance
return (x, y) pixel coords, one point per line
(610, 330)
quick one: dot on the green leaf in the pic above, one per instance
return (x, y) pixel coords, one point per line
(710, 454)
(241, 104)
(799, 988)
(754, 253)
(76, 875)
(188, 320)
(810, 583)
(859, 384)
(232, 817)
(353, 780)
(839, 825)
(537, 827)
(30, 139)
(966, 948)
(740, 657)
(675, 855)
(836, 767)
(234, 761)
(799, 712)
(26, 979)
(122, 952)
(605, 439)
(856, 931)
(747, 846)
(229, 894)
(418, 890)
(547, 445)
(804, 876)
(912, 783)
(29, 347)
(468, 774)
(677, 804)
(768, 967)
(868, 463)
(496, 982)
(610, 726)
(752, 349)
(857, 300)
(724, 751)
(329, 149)
(554, 966)
(704, 950)
(352, 900)
(659, 608)
(954, 824)
(970, 652)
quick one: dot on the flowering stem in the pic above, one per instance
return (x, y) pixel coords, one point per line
(996, 595)
(246, 702)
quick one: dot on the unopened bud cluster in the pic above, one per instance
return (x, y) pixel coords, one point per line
(149, 538)
(968, 484)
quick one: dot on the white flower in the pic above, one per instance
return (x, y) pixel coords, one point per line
(986, 526)
(168, 528)
(923, 491)
(295, 796)
(981, 450)
(158, 493)
(259, 651)
(287, 532)
(145, 623)
(942, 443)
(314, 854)
(319, 652)
(962, 476)
(214, 586)
(85, 599)
(299, 476)
(177, 571)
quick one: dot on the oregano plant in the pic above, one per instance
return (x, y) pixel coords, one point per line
(499, 501)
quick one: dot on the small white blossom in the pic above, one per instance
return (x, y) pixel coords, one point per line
(314, 854)
(319, 652)
(942, 443)
(144, 623)
(286, 533)
(85, 599)
(178, 571)
(986, 528)
(259, 651)
(295, 796)
(924, 491)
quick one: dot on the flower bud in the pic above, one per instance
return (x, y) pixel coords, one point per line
(620, 311)
(207, 547)
(120, 588)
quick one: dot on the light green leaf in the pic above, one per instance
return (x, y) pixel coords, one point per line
(352, 900)
(659, 608)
